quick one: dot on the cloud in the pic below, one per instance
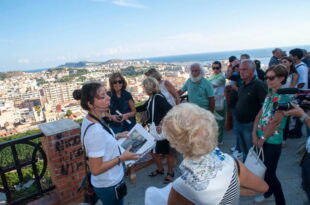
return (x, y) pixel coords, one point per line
(127, 3)
(23, 61)
(4, 40)
(124, 3)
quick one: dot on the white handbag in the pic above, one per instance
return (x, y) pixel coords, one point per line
(219, 102)
(152, 126)
(254, 163)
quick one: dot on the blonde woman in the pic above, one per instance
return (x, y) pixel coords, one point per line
(165, 86)
(161, 107)
(209, 176)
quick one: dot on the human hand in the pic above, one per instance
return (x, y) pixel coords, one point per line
(296, 111)
(127, 155)
(158, 129)
(122, 135)
(125, 116)
(116, 118)
(259, 142)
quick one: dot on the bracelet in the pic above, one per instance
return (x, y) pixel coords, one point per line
(119, 160)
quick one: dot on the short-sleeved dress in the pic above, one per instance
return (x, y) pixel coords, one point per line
(161, 108)
(121, 104)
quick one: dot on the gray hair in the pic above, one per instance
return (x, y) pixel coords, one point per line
(202, 70)
(251, 63)
(275, 50)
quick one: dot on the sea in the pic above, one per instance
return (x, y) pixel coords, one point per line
(263, 55)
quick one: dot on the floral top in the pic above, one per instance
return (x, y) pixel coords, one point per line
(268, 114)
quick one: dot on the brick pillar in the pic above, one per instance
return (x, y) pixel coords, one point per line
(65, 158)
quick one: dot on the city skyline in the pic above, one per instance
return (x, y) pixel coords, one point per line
(43, 34)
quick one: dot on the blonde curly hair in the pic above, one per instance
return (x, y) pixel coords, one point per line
(192, 130)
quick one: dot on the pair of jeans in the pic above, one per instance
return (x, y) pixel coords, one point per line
(305, 174)
(233, 114)
(272, 154)
(244, 133)
(108, 196)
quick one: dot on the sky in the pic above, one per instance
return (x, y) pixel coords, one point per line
(46, 33)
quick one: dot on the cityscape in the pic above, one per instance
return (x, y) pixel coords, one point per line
(28, 99)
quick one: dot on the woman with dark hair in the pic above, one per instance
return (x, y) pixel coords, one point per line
(292, 78)
(121, 102)
(101, 147)
(157, 107)
(268, 136)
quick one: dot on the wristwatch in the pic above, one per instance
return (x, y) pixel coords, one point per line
(303, 117)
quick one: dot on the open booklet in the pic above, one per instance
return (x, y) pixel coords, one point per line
(140, 140)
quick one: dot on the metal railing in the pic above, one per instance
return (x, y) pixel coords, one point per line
(37, 155)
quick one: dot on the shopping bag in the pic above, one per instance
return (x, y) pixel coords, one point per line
(154, 133)
(254, 163)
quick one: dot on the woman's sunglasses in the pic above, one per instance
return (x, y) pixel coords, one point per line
(270, 77)
(118, 81)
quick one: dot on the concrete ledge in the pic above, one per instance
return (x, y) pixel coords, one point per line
(58, 126)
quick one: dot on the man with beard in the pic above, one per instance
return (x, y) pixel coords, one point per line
(199, 89)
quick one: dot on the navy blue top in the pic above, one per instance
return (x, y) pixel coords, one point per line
(121, 104)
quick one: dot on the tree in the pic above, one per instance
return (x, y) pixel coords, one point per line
(68, 113)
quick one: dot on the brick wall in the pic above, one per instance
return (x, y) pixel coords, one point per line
(65, 159)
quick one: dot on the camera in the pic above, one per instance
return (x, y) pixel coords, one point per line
(302, 98)
(282, 106)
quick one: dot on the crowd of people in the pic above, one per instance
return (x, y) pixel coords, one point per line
(244, 97)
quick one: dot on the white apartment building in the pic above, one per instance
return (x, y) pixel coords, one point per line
(59, 92)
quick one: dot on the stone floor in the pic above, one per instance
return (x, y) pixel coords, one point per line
(288, 172)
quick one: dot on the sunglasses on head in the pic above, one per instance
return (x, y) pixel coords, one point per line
(216, 68)
(118, 81)
(270, 77)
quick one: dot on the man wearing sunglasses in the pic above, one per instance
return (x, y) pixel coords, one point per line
(199, 89)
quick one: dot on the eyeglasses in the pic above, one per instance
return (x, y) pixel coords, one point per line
(99, 97)
(270, 77)
(216, 68)
(118, 81)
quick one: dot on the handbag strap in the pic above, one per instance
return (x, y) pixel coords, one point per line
(85, 157)
(260, 152)
(106, 127)
(153, 105)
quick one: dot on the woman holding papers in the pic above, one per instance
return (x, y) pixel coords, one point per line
(122, 107)
(157, 107)
(100, 145)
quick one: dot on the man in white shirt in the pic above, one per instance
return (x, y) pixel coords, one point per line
(302, 69)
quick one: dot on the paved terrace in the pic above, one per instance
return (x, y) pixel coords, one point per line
(288, 171)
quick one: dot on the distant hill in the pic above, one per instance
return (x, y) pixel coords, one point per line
(87, 63)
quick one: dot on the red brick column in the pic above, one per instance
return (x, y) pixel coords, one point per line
(64, 152)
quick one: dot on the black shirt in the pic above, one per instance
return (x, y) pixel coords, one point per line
(161, 108)
(250, 99)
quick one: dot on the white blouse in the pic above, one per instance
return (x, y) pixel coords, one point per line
(99, 143)
(211, 179)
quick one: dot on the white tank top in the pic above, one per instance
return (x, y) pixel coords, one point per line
(166, 93)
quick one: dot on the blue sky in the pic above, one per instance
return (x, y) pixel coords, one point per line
(46, 33)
